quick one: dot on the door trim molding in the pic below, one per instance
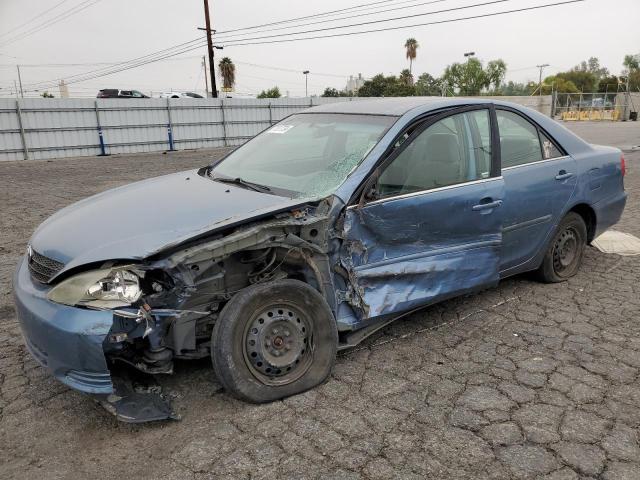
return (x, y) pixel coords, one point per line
(528, 223)
(425, 192)
(538, 162)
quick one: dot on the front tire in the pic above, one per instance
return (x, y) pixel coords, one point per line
(274, 340)
(564, 254)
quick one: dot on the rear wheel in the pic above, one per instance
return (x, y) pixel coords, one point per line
(274, 340)
(565, 252)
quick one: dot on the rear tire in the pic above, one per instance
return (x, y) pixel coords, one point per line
(274, 340)
(564, 254)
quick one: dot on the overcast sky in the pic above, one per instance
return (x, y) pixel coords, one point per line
(113, 31)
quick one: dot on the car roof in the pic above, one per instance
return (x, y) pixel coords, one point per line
(390, 106)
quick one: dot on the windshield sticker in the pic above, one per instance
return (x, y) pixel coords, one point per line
(280, 129)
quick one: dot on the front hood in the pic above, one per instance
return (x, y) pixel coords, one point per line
(143, 218)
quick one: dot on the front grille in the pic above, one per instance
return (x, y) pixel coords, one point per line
(43, 268)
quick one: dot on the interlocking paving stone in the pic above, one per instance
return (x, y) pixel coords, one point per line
(523, 381)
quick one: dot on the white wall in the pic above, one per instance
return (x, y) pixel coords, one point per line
(57, 128)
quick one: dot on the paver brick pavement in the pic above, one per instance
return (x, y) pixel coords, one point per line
(522, 381)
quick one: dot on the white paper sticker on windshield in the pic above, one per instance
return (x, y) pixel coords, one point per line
(280, 129)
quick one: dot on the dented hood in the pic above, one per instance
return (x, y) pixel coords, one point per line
(143, 218)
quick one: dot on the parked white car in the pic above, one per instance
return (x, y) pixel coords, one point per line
(180, 95)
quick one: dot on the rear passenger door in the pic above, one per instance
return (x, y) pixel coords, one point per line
(539, 180)
(430, 226)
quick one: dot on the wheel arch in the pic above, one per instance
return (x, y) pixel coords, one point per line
(588, 214)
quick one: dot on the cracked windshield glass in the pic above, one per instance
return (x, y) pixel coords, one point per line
(307, 155)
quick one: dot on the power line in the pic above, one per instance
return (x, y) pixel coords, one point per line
(128, 67)
(386, 29)
(132, 63)
(52, 21)
(157, 54)
(383, 20)
(322, 14)
(146, 60)
(292, 70)
(33, 18)
(359, 14)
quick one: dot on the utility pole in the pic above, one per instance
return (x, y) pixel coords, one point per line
(306, 83)
(206, 82)
(20, 81)
(212, 68)
(541, 67)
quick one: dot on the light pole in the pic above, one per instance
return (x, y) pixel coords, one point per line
(468, 55)
(541, 67)
(306, 83)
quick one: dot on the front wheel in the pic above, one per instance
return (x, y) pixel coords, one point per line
(274, 340)
(565, 252)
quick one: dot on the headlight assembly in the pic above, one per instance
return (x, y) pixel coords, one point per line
(106, 288)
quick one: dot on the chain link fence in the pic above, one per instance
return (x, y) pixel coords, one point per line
(599, 106)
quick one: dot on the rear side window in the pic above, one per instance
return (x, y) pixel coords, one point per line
(519, 141)
(549, 149)
(454, 150)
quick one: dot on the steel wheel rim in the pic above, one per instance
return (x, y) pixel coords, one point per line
(278, 344)
(565, 250)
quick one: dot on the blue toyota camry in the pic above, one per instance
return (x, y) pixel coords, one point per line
(311, 236)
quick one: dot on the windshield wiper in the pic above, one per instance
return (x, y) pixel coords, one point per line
(239, 181)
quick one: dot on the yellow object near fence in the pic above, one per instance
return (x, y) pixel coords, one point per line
(590, 115)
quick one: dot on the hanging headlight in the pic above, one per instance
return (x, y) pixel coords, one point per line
(106, 288)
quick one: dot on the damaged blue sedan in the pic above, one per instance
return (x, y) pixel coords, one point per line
(306, 239)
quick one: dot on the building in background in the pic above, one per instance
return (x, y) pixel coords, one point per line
(353, 84)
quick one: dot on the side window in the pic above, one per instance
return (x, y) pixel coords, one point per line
(549, 149)
(519, 141)
(453, 150)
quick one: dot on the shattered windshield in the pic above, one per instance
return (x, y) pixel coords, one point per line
(306, 155)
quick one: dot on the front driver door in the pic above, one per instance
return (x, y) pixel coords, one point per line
(433, 227)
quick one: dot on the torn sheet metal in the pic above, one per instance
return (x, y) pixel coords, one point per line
(620, 243)
(137, 398)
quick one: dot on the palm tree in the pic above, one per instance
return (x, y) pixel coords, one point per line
(406, 78)
(228, 73)
(412, 50)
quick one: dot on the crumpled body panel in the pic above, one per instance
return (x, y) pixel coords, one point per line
(414, 250)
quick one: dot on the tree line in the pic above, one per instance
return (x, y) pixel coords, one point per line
(472, 77)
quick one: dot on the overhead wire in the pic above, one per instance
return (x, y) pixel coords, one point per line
(189, 46)
(138, 61)
(33, 18)
(383, 20)
(386, 29)
(52, 21)
(363, 6)
(221, 35)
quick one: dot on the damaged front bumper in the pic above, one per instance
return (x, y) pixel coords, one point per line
(69, 342)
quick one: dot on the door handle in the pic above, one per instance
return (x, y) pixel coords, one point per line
(563, 175)
(486, 204)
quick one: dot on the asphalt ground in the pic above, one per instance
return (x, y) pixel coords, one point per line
(522, 381)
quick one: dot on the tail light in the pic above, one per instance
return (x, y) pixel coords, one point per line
(623, 165)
